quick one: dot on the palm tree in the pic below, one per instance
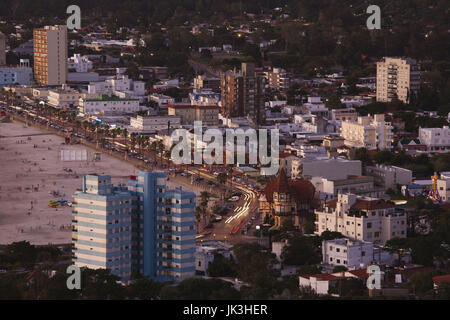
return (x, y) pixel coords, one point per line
(204, 197)
(160, 149)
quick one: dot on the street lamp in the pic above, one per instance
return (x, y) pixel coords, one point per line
(258, 227)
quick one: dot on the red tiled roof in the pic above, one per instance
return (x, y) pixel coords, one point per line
(360, 273)
(325, 276)
(285, 155)
(302, 190)
(440, 279)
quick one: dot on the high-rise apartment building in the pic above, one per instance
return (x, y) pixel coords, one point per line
(243, 94)
(143, 227)
(101, 223)
(2, 49)
(163, 228)
(50, 55)
(368, 132)
(397, 78)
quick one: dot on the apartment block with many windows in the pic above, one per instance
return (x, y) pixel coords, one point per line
(362, 218)
(101, 235)
(50, 55)
(397, 78)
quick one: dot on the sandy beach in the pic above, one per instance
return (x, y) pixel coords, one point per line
(32, 175)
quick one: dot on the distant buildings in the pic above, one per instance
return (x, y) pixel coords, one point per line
(326, 168)
(79, 64)
(120, 86)
(389, 176)
(20, 75)
(347, 114)
(277, 78)
(361, 218)
(368, 132)
(204, 82)
(106, 104)
(435, 139)
(66, 97)
(50, 55)
(101, 234)
(152, 124)
(243, 94)
(209, 115)
(397, 78)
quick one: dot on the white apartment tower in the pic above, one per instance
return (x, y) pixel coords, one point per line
(50, 55)
(397, 78)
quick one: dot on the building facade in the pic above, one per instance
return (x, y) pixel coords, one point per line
(397, 78)
(209, 115)
(368, 132)
(101, 220)
(368, 219)
(389, 176)
(153, 124)
(20, 75)
(50, 55)
(106, 104)
(435, 139)
(77, 63)
(243, 94)
(204, 82)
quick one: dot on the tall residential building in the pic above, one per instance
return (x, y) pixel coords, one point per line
(2, 49)
(362, 218)
(243, 94)
(50, 55)
(101, 222)
(278, 79)
(397, 78)
(204, 82)
(368, 132)
(163, 228)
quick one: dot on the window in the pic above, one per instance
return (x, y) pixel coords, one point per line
(369, 225)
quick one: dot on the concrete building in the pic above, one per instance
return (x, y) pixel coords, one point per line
(152, 124)
(106, 104)
(204, 82)
(360, 185)
(362, 218)
(2, 49)
(205, 97)
(20, 75)
(120, 86)
(162, 100)
(354, 254)
(389, 176)
(333, 142)
(101, 221)
(397, 78)
(243, 94)
(368, 132)
(435, 139)
(66, 97)
(164, 228)
(443, 186)
(50, 55)
(278, 79)
(326, 168)
(315, 106)
(77, 63)
(209, 115)
(205, 253)
(347, 114)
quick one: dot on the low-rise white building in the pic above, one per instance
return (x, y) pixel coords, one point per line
(77, 63)
(360, 185)
(106, 104)
(120, 86)
(153, 124)
(161, 100)
(435, 139)
(326, 168)
(389, 176)
(362, 218)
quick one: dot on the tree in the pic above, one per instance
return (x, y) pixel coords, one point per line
(339, 269)
(421, 282)
(300, 251)
(222, 267)
(145, 289)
